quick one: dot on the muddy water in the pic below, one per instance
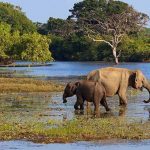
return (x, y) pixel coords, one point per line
(136, 109)
(45, 106)
(49, 105)
(103, 145)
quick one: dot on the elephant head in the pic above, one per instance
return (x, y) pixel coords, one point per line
(70, 90)
(140, 82)
(139, 79)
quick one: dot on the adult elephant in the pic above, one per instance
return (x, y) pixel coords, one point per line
(117, 80)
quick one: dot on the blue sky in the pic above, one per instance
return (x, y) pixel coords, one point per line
(41, 10)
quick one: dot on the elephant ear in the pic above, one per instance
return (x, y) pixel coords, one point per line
(138, 76)
(77, 84)
(68, 86)
(74, 87)
(138, 79)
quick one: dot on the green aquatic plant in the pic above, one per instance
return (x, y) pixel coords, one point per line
(75, 130)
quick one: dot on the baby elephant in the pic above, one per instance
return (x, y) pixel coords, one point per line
(86, 90)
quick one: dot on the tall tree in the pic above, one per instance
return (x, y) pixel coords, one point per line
(5, 41)
(56, 26)
(29, 46)
(14, 16)
(59, 27)
(34, 47)
(107, 21)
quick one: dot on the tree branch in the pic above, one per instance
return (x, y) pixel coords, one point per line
(100, 40)
(119, 53)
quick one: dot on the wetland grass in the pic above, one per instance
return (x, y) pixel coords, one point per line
(75, 130)
(52, 131)
(28, 85)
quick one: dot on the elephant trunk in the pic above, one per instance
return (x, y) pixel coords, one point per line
(64, 98)
(147, 86)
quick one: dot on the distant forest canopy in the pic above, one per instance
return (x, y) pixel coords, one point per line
(78, 38)
(19, 37)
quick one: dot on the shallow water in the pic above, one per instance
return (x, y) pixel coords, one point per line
(72, 69)
(22, 107)
(102, 145)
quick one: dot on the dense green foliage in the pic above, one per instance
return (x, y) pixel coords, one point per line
(28, 46)
(77, 46)
(107, 21)
(99, 8)
(13, 16)
(18, 37)
(58, 27)
(5, 43)
(136, 48)
(32, 47)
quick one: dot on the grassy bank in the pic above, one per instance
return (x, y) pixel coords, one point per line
(27, 117)
(28, 85)
(75, 130)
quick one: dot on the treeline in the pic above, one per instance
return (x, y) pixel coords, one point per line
(59, 39)
(19, 39)
(114, 22)
(79, 47)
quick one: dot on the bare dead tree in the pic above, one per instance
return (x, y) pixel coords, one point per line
(113, 28)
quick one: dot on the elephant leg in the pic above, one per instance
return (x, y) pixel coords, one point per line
(82, 106)
(122, 111)
(121, 102)
(104, 103)
(122, 98)
(96, 107)
(76, 105)
(80, 102)
(88, 104)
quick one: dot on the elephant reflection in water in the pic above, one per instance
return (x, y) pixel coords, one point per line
(89, 112)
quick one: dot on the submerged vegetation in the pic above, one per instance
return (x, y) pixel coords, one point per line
(75, 130)
(28, 85)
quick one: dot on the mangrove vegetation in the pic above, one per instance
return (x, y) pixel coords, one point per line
(94, 31)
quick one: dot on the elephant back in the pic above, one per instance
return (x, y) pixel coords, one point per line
(94, 75)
